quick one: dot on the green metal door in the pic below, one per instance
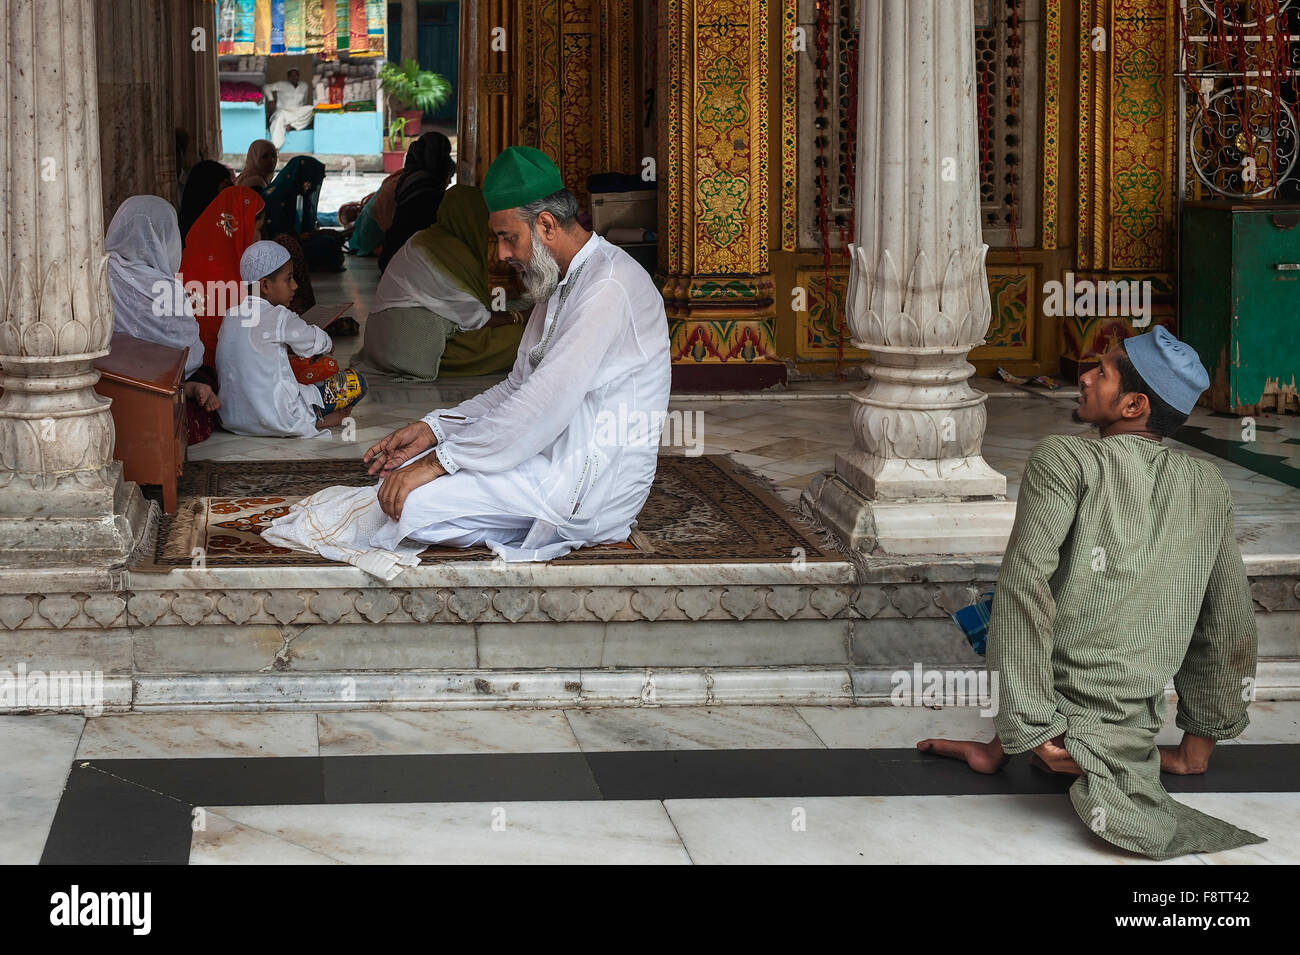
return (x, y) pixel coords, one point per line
(1266, 302)
(439, 50)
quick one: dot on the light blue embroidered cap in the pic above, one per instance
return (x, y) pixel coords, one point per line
(1171, 368)
(261, 259)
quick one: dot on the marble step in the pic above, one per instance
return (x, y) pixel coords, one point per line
(475, 634)
(534, 689)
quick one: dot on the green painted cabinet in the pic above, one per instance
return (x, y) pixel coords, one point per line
(1239, 300)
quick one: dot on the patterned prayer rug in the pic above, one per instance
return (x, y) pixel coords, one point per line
(704, 509)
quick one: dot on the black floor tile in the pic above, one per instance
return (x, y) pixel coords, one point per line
(704, 774)
(255, 781)
(105, 820)
(1247, 768)
(478, 777)
(920, 774)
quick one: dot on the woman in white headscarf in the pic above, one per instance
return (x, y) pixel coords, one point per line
(144, 253)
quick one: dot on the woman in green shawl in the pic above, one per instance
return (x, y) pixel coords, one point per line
(431, 315)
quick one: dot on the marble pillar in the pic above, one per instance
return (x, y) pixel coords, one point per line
(918, 297)
(62, 497)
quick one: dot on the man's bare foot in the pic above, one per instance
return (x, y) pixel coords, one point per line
(1191, 757)
(981, 757)
(1051, 756)
(1174, 760)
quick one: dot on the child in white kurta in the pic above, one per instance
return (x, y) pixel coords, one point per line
(259, 393)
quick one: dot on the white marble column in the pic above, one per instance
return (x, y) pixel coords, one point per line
(918, 298)
(62, 497)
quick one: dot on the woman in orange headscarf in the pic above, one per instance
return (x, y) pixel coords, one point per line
(228, 226)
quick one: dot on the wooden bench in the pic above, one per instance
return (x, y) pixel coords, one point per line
(145, 383)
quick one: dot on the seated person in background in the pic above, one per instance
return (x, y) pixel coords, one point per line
(202, 184)
(419, 190)
(374, 218)
(430, 315)
(144, 253)
(291, 219)
(259, 165)
(228, 226)
(291, 99)
(260, 394)
(299, 181)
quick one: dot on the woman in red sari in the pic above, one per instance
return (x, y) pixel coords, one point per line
(228, 226)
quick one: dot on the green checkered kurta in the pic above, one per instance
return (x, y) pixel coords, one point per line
(1123, 571)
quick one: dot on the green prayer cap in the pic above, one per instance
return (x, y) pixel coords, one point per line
(518, 176)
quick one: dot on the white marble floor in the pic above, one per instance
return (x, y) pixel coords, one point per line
(1010, 827)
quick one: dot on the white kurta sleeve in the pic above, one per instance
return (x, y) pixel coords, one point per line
(535, 413)
(305, 340)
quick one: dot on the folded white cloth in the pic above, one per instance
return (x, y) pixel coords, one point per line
(338, 523)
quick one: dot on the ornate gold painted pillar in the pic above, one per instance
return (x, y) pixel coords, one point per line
(714, 142)
(553, 75)
(1128, 189)
(62, 497)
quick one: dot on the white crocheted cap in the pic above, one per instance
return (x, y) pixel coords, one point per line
(261, 259)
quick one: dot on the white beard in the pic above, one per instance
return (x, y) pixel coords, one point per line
(542, 273)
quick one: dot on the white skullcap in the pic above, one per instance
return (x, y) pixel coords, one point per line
(261, 259)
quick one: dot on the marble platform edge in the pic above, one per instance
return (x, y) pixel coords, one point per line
(266, 606)
(544, 689)
(489, 574)
(881, 570)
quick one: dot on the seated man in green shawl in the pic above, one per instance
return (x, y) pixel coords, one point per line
(1122, 572)
(432, 316)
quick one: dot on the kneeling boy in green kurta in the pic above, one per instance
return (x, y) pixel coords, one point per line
(1121, 573)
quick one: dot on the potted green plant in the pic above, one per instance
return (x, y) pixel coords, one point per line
(395, 145)
(412, 92)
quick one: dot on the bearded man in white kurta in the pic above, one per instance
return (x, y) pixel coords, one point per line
(293, 106)
(533, 467)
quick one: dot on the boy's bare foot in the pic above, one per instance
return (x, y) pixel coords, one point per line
(331, 420)
(982, 757)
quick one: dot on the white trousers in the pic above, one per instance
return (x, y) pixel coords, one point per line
(283, 120)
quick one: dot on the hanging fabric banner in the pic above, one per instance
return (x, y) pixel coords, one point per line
(295, 38)
(329, 29)
(226, 27)
(314, 26)
(357, 42)
(244, 11)
(262, 28)
(376, 17)
(277, 26)
(341, 20)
